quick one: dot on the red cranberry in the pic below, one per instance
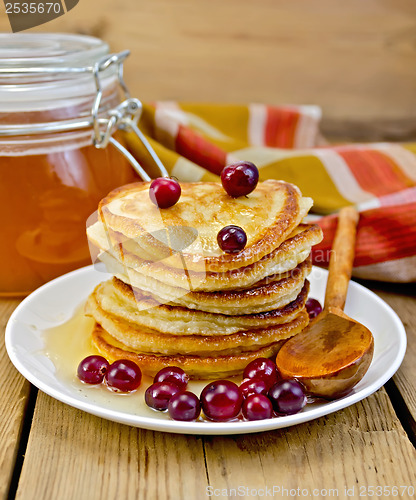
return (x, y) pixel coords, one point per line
(264, 369)
(232, 239)
(184, 406)
(123, 375)
(164, 192)
(157, 395)
(313, 307)
(253, 386)
(174, 375)
(239, 179)
(287, 397)
(221, 400)
(257, 407)
(91, 370)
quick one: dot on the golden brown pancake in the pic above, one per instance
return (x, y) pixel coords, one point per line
(148, 275)
(267, 297)
(147, 340)
(196, 367)
(268, 215)
(142, 311)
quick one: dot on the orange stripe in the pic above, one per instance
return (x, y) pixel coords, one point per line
(386, 233)
(375, 172)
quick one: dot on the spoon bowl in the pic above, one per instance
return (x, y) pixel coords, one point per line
(329, 357)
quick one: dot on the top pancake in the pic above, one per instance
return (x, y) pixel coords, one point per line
(140, 273)
(189, 229)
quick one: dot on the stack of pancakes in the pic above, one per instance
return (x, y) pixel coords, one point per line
(178, 299)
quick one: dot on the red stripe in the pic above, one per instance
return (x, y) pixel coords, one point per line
(280, 128)
(196, 148)
(290, 129)
(374, 171)
(384, 234)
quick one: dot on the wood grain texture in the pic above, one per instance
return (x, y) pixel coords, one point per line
(88, 457)
(355, 447)
(13, 400)
(355, 59)
(402, 298)
(74, 455)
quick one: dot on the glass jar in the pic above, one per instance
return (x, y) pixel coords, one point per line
(51, 175)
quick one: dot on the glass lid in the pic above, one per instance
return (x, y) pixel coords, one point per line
(29, 50)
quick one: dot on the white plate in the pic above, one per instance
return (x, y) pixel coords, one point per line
(55, 303)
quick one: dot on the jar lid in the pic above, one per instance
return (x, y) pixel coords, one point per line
(41, 50)
(55, 82)
(50, 73)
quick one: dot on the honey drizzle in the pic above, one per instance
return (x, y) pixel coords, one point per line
(70, 342)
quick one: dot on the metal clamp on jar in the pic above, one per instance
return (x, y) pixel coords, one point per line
(59, 110)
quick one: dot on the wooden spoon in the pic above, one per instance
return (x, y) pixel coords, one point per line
(334, 352)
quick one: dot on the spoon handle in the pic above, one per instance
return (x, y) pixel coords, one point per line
(342, 258)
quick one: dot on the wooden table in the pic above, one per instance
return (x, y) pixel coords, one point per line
(50, 450)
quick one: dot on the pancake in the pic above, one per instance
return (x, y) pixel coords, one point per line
(115, 298)
(260, 298)
(197, 367)
(148, 341)
(147, 274)
(188, 230)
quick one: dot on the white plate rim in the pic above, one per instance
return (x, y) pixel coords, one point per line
(201, 428)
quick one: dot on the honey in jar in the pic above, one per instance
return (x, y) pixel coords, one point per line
(51, 175)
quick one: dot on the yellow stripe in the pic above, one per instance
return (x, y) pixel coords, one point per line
(147, 119)
(309, 174)
(231, 121)
(210, 177)
(411, 146)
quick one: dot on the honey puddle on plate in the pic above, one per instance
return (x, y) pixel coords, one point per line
(67, 344)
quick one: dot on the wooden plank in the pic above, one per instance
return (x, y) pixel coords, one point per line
(355, 59)
(74, 455)
(13, 400)
(402, 298)
(358, 447)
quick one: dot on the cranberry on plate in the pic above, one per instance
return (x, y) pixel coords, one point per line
(158, 394)
(221, 400)
(313, 307)
(251, 386)
(257, 407)
(123, 375)
(287, 397)
(174, 375)
(92, 369)
(184, 406)
(264, 369)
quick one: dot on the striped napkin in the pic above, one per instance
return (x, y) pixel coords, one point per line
(196, 141)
